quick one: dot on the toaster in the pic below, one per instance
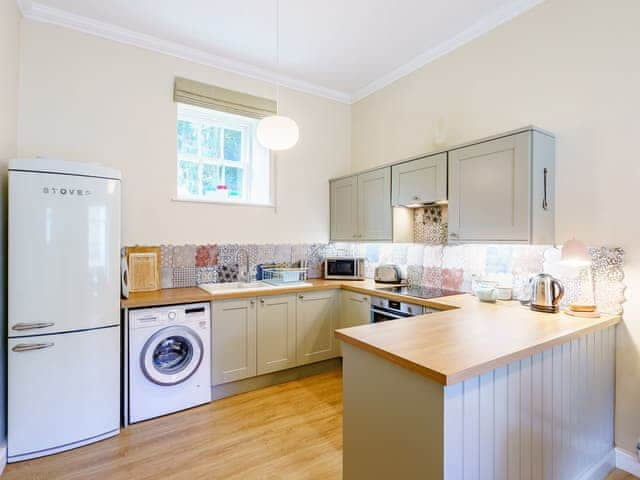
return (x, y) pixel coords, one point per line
(387, 274)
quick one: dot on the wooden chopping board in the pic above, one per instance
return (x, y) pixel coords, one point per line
(144, 268)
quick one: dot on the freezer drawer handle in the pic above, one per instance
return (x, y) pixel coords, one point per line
(31, 326)
(26, 347)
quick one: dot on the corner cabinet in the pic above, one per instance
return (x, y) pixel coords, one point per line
(233, 340)
(420, 181)
(355, 309)
(502, 190)
(361, 207)
(317, 318)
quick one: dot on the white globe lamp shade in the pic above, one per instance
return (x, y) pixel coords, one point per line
(575, 253)
(277, 132)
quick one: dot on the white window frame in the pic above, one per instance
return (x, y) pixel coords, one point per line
(200, 117)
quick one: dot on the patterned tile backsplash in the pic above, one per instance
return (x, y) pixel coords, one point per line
(429, 264)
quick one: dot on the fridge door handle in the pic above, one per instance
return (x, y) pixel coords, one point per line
(26, 347)
(30, 326)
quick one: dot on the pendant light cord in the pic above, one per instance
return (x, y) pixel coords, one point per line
(277, 56)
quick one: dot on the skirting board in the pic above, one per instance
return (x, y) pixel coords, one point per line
(601, 469)
(254, 383)
(628, 462)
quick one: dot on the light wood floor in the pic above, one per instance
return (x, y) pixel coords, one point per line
(620, 475)
(293, 430)
(289, 431)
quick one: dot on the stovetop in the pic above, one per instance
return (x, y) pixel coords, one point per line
(420, 292)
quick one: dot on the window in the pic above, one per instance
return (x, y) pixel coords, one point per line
(219, 158)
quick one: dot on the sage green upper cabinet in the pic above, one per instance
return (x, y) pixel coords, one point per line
(502, 190)
(419, 181)
(361, 207)
(374, 205)
(344, 209)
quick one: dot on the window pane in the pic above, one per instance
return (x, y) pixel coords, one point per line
(210, 178)
(233, 179)
(187, 138)
(188, 177)
(210, 142)
(232, 145)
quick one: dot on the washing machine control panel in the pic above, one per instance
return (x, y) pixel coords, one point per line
(194, 314)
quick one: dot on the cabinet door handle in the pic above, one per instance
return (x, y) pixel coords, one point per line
(262, 301)
(545, 203)
(301, 297)
(26, 347)
(415, 197)
(30, 326)
(453, 235)
(252, 302)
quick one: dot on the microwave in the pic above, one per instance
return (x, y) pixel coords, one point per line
(344, 268)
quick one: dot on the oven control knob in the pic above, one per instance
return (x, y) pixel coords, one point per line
(172, 315)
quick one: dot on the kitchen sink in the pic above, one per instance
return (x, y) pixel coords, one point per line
(245, 286)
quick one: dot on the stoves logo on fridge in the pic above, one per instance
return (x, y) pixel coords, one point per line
(69, 192)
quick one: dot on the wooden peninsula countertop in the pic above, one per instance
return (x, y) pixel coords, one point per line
(465, 339)
(471, 338)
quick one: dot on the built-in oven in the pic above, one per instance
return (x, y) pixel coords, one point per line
(344, 268)
(383, 310)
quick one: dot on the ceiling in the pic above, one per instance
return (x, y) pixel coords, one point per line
(342, 49)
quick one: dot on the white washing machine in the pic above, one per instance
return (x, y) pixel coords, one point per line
(169, 359)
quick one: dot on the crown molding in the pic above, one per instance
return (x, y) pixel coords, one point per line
(479, 28)
(42, 13)
(24, 5)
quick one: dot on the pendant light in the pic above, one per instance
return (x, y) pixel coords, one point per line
(277, 132)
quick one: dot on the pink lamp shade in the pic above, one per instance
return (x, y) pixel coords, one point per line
(575, 253)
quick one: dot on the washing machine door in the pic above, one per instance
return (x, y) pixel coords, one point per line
(171, 355)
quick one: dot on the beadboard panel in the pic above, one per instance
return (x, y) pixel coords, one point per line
(548, 416)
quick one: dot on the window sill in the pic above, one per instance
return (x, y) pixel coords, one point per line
(219, 202)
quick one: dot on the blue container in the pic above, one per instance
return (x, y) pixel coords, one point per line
(259, 272)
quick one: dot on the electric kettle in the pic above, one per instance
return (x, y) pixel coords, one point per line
(546, 293)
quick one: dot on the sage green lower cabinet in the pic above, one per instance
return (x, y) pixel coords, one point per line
(233, 340)
(317, 318)
(355, 309)
(256, 336)
(276, 332)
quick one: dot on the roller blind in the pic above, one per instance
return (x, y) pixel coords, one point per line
(221, 99)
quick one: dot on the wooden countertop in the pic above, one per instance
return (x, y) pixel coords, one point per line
(469, 339)
(173, 296)
(465, 339)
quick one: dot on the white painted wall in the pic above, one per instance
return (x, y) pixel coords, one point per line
(570, 66)
(9, 55)
(88, 99)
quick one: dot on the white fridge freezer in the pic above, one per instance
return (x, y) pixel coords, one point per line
(63, 308)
